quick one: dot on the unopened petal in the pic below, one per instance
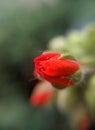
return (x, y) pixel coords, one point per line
(65, 81)
(57, 68)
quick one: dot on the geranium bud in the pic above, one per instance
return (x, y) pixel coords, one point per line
(57, 68)
(42, 94)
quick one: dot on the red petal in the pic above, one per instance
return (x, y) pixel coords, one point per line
(57, 67)
(40, 98)
(65, 81)
(45, 57)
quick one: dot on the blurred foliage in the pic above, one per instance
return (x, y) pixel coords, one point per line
(25, 29)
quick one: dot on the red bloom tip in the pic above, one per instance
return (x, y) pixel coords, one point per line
(42, 94)
(55, 69)
(39, 99)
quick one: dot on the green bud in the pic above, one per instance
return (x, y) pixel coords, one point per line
(89, 40)
(58, 44)
(74, 39)
(90, 95)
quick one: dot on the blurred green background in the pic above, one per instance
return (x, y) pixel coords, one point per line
(26, 26)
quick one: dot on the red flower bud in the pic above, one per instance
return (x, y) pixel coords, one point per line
(42, 94)
(56, 68)
(39, 99)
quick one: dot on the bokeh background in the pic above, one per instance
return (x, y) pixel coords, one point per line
(26, 27)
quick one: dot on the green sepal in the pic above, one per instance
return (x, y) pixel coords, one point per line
(76, 77)
(59, 86)
(67, 56)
